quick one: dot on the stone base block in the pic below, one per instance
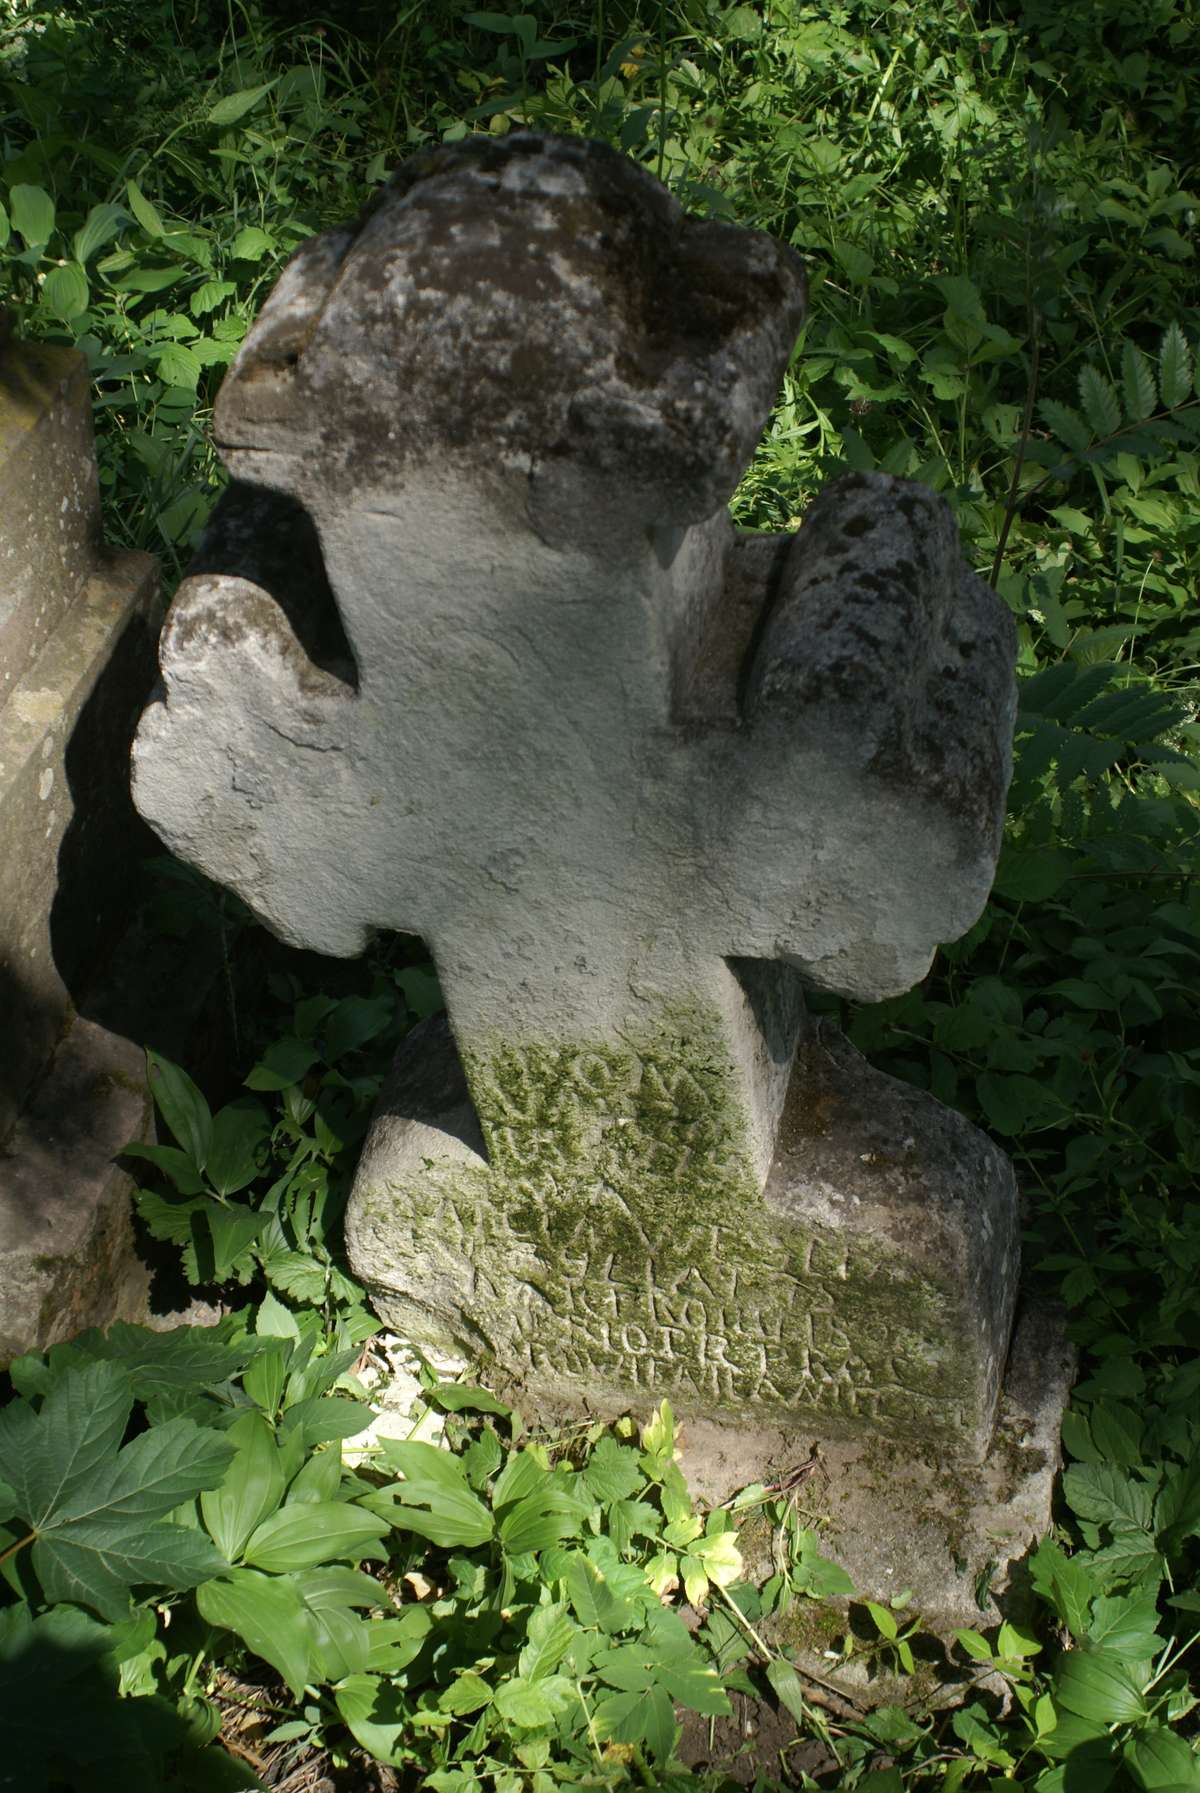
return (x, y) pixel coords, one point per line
(67, 1258)
(866, 1293)
(899, 1517)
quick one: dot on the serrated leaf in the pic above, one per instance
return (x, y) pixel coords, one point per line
(1066, 424)
(642, 1717)
(785, 1684)
(179, 366)
(1137, 384)
(268, 1614)
(91, 1502)
(32, 212)
(1101, 406)
(65, 292)
(142, 210)
(1102, 1493)
(209, 295)
(1174, 367)
(236, 105)
(549, 1636)
(251, 244)
(613, 1471)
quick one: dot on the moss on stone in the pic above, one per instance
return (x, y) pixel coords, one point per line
(618, 1237)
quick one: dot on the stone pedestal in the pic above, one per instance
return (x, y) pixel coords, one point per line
(77, 630)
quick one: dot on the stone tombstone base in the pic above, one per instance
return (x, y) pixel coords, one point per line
(904, 1518)
(867, 1292)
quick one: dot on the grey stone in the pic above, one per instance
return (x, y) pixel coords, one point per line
(76, 660)
(637, 779)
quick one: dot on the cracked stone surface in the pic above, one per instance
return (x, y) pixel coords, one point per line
(472, 650)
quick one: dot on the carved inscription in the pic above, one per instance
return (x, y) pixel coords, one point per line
(617, 1241)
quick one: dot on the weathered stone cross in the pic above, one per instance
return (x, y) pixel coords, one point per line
(635, 777)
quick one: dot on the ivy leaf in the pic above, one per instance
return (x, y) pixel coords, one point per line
(92, 1503)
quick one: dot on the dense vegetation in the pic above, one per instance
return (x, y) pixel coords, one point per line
(993, 200)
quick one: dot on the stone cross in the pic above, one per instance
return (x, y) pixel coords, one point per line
(473, 651)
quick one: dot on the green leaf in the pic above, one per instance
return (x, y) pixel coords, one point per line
(251, 244)
(1101, 406)
(32, 212)
(377, 1715)
(142, 210)
(148, 280)
(178, 1164)
(209, 295)
(252, 1488)
(550, 1635)
(645, 1716)
(1032, 875)
(1097, 1685)
(525, 1704)
(1174, 367)
(302, 1535)
(65, 291)
(463, 1397)
(181, 1105)
(1066, 424)
(99, 227)
(352, 1023)
(1104, 1494)
(785, 1684)
(5, 226)
(236, 105)
(268, 1614)
(1161, 1761)
(92, 1503)
(282, 1064)
(1137, 384)
(239, 1131)
(179, 366)
(613, 1471)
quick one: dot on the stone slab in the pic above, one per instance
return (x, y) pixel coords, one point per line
(67, 1254)
(49, 496)
(66, 819)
